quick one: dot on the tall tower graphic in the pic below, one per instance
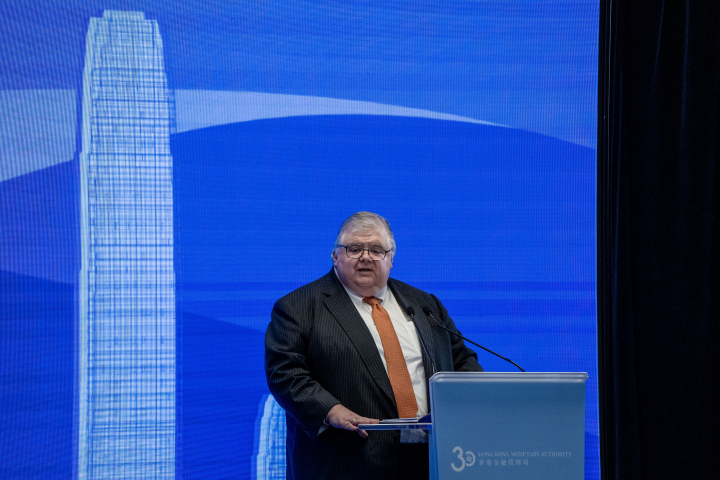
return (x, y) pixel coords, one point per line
(127, 282)
(270, 462)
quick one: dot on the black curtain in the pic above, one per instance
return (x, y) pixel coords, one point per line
(658, 239)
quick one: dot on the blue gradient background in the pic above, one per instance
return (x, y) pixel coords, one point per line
(497, 221)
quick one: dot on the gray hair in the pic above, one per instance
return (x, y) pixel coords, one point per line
(365, 221)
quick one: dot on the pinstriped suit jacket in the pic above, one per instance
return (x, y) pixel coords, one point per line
(319, 352)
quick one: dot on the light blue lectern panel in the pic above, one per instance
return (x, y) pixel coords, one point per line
(508, 425)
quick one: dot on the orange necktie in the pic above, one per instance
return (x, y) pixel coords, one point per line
(397, 368)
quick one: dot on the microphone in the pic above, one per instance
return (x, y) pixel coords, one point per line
(411, 313)
(426, 310)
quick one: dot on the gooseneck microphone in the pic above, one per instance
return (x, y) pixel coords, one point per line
(411, 313)
(426, 310)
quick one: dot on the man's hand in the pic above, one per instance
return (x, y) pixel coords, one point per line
(341, 417)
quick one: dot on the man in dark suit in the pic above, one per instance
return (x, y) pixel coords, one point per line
(341, 351)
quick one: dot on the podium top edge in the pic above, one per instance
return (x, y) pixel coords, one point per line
(510, 377)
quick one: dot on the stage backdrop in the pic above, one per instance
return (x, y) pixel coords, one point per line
(169, 169)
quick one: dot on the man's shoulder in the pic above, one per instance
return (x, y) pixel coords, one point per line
(310, 290)
(406, 288)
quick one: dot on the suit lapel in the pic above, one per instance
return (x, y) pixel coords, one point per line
(405, 299)
(341, 307)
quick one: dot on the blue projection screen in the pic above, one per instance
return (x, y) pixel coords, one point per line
(169, 169)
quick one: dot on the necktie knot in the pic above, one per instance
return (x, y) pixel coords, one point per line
(372, 301)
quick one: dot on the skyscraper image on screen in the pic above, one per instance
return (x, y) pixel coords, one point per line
(126, 364)
(270, 441)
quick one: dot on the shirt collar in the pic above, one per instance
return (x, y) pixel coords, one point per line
(357, 299)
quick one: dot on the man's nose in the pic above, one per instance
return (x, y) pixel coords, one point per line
(364, 257)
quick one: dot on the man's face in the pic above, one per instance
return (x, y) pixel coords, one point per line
(362, 275)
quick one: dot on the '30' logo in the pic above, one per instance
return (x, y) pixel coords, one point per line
(467, 459)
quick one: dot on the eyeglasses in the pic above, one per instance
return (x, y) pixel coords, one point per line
(375, 253)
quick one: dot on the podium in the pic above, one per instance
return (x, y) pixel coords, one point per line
(504, 425)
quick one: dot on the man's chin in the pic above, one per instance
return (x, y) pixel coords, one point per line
(365, 280)
(365, 283)
(364, 274)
